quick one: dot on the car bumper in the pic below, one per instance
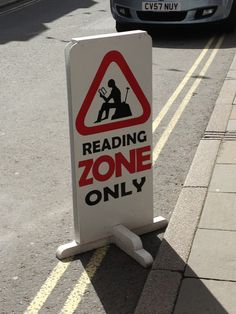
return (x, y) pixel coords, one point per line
(125, 11)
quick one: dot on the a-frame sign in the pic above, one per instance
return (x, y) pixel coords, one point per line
(109, 80)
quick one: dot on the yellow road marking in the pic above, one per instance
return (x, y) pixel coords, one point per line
(76, 294)
(165, 135)
(182, 84)
(19, 7)
(47, 287)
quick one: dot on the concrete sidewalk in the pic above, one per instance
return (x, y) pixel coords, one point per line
(195, 269)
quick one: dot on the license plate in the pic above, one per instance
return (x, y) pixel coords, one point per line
(161, 6)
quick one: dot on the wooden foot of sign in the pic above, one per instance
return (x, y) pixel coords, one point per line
(125, 239)
(131, 244)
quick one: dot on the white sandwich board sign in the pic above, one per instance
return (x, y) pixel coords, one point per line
(109, 80)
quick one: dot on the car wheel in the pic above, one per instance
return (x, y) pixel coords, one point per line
(230, 23)
(122, 27)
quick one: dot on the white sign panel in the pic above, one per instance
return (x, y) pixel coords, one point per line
(110, 93)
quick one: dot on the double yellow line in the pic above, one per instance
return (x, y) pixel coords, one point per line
(77, 293)
(18, 7)
(161, 143)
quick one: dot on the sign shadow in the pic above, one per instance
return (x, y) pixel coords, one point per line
(124, 287)
(119, 280)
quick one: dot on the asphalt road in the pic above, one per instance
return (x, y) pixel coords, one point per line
(36, 197)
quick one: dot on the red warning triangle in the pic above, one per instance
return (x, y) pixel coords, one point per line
(112, 56)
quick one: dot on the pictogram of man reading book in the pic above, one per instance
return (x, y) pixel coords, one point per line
(122, 109)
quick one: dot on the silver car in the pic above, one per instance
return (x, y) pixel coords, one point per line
(128, 12)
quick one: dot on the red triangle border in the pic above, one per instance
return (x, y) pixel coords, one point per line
(112, 56)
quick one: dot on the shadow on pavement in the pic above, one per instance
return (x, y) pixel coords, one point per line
(119, 280)
(29, 22)
(190, 36)
(169, 289)
(124, 287)
(186, 36)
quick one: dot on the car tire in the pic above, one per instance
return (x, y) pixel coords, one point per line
(122, 27)
(230, 23)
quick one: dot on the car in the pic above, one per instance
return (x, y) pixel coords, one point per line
(130, 12)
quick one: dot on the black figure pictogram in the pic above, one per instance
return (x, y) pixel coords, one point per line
(122, 109)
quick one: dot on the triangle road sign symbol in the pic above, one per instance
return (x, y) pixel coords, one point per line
(112, 56)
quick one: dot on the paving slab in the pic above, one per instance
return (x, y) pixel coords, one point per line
(227, 153)
(223, 179)
(219, 212)
(233, 113)
(231, 126)
(202, 165)
(206, 296)
(227, 93)
(232, 69)
(176, 244)
(213, 255)
(219, 118)
(160, 293)
(234, 103)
